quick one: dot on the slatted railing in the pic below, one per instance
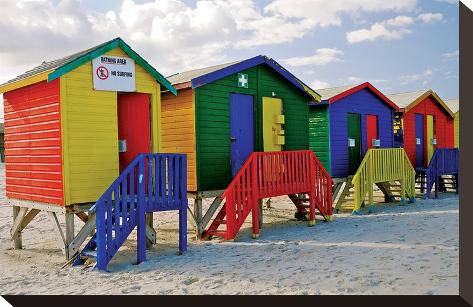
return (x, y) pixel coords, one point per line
(271, 174)
(444, 161)
(151, 182)
(382, 165)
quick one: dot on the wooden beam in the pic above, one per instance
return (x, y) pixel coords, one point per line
(210, 212)
(19, 215)
(28, 218)
(82, 216)
(86, 231)
(17, 242)
(69, 231)
(150, 236)
(198, 216)
(36, 205)
(57, 229)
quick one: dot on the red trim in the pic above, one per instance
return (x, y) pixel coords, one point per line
(361, 87)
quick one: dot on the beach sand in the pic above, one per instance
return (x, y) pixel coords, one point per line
(397, 249)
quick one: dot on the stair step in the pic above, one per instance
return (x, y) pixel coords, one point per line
(215, 233)
(221, 221)
(89, 254)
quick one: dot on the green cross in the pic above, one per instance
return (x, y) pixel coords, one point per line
(243, 80)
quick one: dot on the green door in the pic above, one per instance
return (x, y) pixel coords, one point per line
(354, 142)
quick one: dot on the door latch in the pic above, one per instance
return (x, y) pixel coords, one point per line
(232, 139)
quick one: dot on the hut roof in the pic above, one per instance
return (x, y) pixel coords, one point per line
(453, 104)
(199, 77)
(408, 100)
(59, 67)
(334, 94)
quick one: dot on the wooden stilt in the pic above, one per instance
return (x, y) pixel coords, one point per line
(69, 232)
(58, 231)
(150, 231)
(198, 215)
(17, 242)
(260, 216)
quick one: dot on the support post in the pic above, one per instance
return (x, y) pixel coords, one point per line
(150, 231)
(198, 215)
(69, 232)
(17, 239)
(260, 220)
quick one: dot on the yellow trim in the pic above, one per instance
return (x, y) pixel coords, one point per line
(430, 136)
(24, 82)
(425, 95)
(65, 141)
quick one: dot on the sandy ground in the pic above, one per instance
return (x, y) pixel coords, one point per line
(411, 249)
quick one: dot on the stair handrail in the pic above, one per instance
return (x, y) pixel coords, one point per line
(252, 191)
(444, 161)
(371, 171)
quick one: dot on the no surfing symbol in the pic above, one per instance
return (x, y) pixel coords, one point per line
(102, 73)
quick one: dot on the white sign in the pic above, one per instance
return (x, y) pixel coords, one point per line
(114, 73)
(417, 141)
(351, 142)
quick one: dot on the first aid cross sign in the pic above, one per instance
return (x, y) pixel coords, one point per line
(243, 80)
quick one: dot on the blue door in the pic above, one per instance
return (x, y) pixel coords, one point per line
(241, 129)
(419, 140)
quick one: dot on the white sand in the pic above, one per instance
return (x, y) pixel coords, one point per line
(410, 249)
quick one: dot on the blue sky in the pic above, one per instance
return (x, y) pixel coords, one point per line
(399, 46)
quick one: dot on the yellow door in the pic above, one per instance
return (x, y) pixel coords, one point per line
(273, 121)
(431, 140)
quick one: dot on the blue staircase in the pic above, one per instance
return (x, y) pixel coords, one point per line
(444, 161)
(150, 183)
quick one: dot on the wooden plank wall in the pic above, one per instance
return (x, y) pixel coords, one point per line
(319, 134)
(444, 126)
(178, 129)
(90, 130)
(33, 143)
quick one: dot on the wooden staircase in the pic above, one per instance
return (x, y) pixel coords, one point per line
(150, 183)
(265, 175)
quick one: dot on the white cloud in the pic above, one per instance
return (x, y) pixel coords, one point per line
(449, 1)
(395, 28)
(430, 17)
(450, 55)
(399, 21)
(353, 79)
(172, 34)
(377, 30)
(319, 84)
(322, 56)
(424, 77)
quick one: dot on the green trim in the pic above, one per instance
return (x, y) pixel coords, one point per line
(117, 42)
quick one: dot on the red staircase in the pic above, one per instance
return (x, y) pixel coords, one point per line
(271, 174)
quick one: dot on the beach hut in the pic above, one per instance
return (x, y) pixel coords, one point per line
(223, 113)
(349, 121)
(454, 105)
(427, 123)
(72, 125)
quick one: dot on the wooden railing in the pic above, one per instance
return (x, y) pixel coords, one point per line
(444, 161)
(151, 182)
(382, 165)
(271, 174)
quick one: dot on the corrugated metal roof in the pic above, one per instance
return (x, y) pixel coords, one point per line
(50, 65)
(187, 76)
(405, 99)
(453, 104)
(330, 92)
